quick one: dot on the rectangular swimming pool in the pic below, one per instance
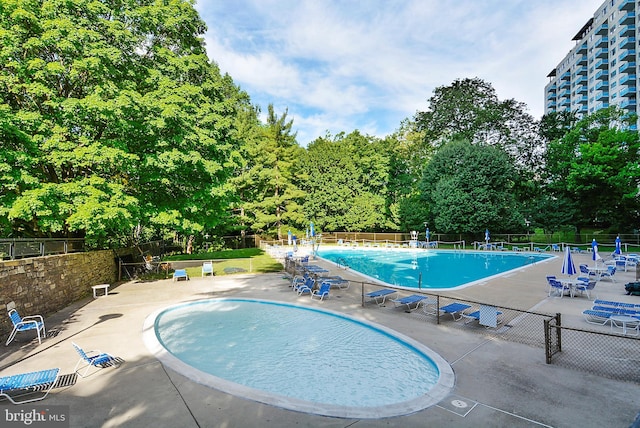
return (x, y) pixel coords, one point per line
(429, 269)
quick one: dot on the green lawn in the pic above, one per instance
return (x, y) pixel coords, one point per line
(228, 262)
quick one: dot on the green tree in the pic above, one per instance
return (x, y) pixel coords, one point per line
(271, 196)
(470, 188)
(346, 183)
(469, 109)
(595, 169)
(119, 116)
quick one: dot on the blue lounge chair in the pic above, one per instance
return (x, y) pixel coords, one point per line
(23, 385)
(414, 299)
(455, 309)
(31, 322)
(597, 317)
(305, 287)
(93, 359)
(180, 273)
(379, 296)
(322, 292)
(555, 247)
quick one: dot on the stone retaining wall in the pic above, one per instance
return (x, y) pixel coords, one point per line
(45, 285)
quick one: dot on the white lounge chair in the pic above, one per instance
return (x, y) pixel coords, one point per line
(23, 385)
(207, 269)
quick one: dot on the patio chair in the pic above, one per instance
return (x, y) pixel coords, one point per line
(96, 359)
(558, 287)
(455, 310)
(207, 269)
(586, 287)
(306, 287)
(322, 292)
(31, 322)
(25, 384)
(611, 271)
(408, 301)
(379, 296)
(180, 273)
(555, 247)
(593, 316)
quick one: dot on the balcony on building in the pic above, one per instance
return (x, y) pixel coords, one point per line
(628, 79)
(581, 71)
(627, 43)
(581, 60)
(602, 42)
(600, 106)
(551, 96)
(629, 104)
(627, 30)
(565, 93)
(603, 84)
(582, 89)
(602, 53)
(628, 67)
(603, 63)
(581, 100)
(551, 104)
(564, 84)
(629, 91)
(627, 5)
(627, 55)
(602, 74)
(579, 80)
(602, 29)
(564, 102)
(602, 96)
(581, 109)
(627, 18)
(582, 49)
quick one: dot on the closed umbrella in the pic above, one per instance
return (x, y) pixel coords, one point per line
(568, 268)
(427, 234)
(594, 251)
(312, 230)
(618, 249)
(486, 235)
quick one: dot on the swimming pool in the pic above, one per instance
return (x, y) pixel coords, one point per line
(429, 269)
(299, 358)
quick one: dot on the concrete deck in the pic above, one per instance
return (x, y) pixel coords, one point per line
(497, 384)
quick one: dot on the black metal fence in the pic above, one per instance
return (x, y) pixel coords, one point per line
(610, 355)
(18, 248)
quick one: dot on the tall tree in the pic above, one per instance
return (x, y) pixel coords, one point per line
(595, 169)
(346, 182)
(469, 109)
(119, 116)
(273, 198)
(470, 188)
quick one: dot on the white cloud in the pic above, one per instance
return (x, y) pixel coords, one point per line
(341, 66)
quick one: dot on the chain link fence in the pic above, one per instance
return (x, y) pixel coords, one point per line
(611, 355)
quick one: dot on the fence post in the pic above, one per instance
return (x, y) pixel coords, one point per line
(362, 293)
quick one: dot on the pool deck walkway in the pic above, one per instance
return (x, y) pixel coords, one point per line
(498, 383)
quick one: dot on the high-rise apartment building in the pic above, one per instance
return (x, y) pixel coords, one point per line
(601, 69)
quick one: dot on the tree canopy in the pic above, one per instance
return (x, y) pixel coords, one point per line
(115, 117)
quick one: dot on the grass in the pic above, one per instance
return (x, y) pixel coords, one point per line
(228, 262)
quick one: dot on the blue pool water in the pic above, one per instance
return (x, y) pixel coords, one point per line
(429, 269)
(301, 358)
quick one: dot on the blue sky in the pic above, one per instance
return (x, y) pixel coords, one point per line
(341, 65)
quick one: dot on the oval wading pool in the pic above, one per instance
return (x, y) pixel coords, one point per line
(299, 358)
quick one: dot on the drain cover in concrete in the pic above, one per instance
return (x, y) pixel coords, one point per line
(458, 405)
